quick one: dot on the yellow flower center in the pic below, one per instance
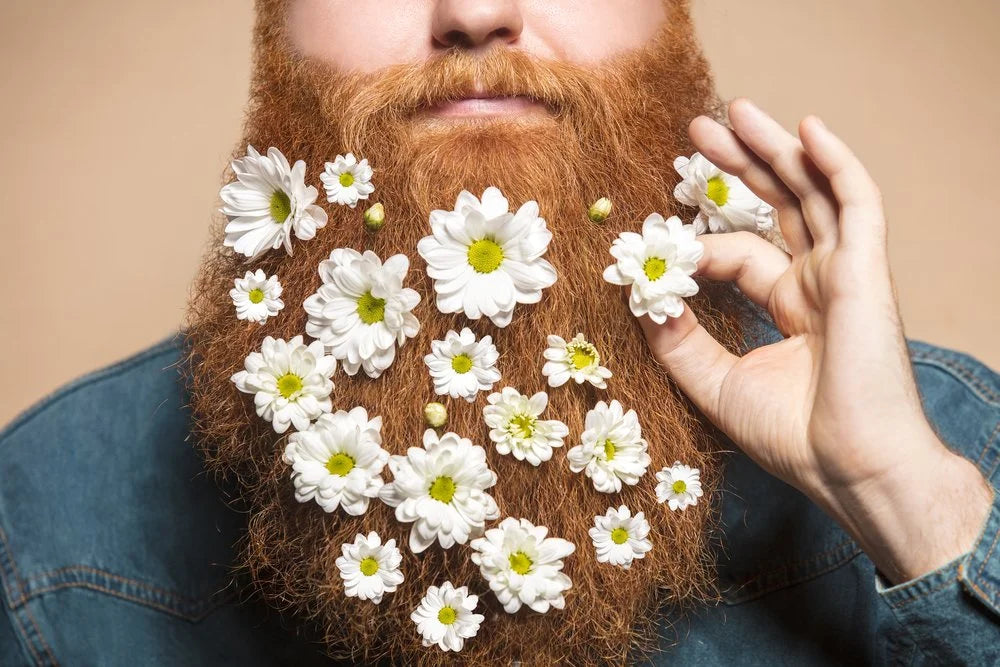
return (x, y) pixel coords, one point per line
(371, 309)
(340, 464)
(680, 486)
(654, 268)
(369, 566)
(717, 190)
(289, 384)
(442, 489)
(256, 295)
(583, 355)
(485, 255)
(447, 615)
(281, 206)
(461, 363)
(347, 179)
(521, 426)
(609, 450)
(520, 562)
(619, 535)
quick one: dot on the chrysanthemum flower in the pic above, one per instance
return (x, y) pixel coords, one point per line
(290, 382)
(657, 265)
(523, 566)
(461, 366)
(256, 296)
(267, 203)
(338, 461)
(347, 181)
(445, 617)
(485, 260)
(369, 568)
(362, 312)
(613, 451)
(619, 537)
(441, 489)
(679, 486)
(578, 360)
(516, 429)
(725, 203)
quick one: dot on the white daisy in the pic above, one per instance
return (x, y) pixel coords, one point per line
(347, 181)
(461, 366)
(725, 203)
(613, 450)
(362, 312)
(338, 461)
(523, 566)
(619, 537)
(445, 617)
(658, 265)
(369, 568)
(679, 486)
(441, 489)
(267, 203)
(516, 428)
(256, 296)
(485, 260)
(290, 382)
(577, 359)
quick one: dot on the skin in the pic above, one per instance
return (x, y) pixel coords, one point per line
(843, 421)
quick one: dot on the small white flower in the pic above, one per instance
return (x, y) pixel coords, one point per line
(461, 366)
(267, 203)
(338, 461)
(523, 566)
(658, 265)
(369, 568)
(256, 296)
(679, 486)
(619, 537)
(290, 382)
(362, 312)
(613, 451)
(725, 203)
(347, 181)
(485, 260)
(516, 428)
(577, 359)
(445, 617)
(441, 489)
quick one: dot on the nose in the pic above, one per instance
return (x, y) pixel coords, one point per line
(472, 24)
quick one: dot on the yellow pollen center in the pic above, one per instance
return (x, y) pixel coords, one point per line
(680, 486)
(371, 309)
(619, 535)
(369, 566)
(340, 464)
(654, 268)
(442, 489)
(281, 207)
(447, 615)
(289, 384)
(485, 255)
(520, 562)
(347, 179)
(583, 357)
(609, 450)
(521, 426)
(256, 295)
(717, 190)
(461, 363)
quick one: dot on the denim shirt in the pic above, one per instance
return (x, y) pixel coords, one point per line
(115, 545)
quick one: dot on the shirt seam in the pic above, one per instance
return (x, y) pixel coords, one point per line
(960, 372)
(8, 571)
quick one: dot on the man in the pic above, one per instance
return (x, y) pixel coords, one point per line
(848, 512)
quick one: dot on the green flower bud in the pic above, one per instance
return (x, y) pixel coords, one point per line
(436, 414)
(599, 210)
(375, 217)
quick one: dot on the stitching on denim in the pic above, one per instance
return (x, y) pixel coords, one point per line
(27, 640)
(962, 372)
(132, 598)
(982, 566)
(922, 594)
(989, 441)
(12, 586)
(40, 636)
(126, 580)
(841, 560)
(803, 561)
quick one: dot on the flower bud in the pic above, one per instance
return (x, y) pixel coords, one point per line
(435, 414)
(599, 210)
(375, 217)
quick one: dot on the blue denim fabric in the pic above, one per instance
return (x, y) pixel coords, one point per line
(115, 545)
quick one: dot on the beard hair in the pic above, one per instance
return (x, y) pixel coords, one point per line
(612, 130)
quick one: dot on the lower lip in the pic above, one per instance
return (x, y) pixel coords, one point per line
(488, 107)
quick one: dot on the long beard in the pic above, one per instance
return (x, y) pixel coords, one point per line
(613, 131)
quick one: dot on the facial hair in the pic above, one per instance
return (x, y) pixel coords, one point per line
(611, 130)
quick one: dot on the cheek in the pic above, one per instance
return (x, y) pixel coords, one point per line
(589, 31)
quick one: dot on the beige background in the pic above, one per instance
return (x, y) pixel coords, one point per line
(118, 117)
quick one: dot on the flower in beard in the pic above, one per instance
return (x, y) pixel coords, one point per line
(516, 428)
(523, 566)
(613, 451)
(619, 537)
(577, 359)
(362, 312)
(657, 265)
(441, 489)
(256, 296)
(290, 382)
(461, 366)
(679, 486)
(338, 461)
(347, 181)
(725, 203)
(267, 203)
(369, 568)
(485, 260)
(445, 617)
